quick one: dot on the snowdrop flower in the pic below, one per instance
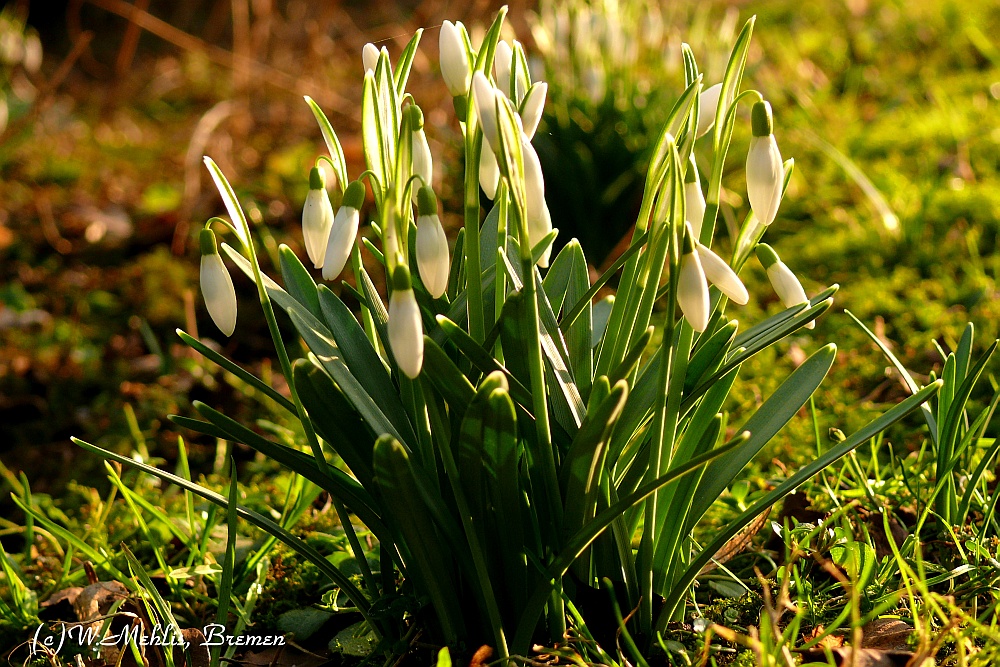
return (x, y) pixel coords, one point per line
(406, 335)
(692, 289)
(539, 220)
(785, 284)
(455, 67)
(719, 274)
(344, 231)
(694, 200)
(369, 56)
(502, 60)
(217, 285)
(485, 96)
(765, 173)
(422, 162)
(432, 244)
(532, 106)
(317, 217)
(489, 171)
(708, 104)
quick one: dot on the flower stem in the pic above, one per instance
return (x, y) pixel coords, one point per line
(473, 144)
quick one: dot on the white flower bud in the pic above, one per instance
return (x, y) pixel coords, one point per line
(694, 200)
(423, 163)
(432, 245)
(502, 60)
(785, 284)
(489, 171)
(406, 335)
(485, 97)
(217, 285)
(344, 231)
(539, 219)
(692, 289)
(719, 274)
(455, 67)
(532, 107)
(765, 173)
(369, 57)
(708, 104)
(317, 217)
(537, 231)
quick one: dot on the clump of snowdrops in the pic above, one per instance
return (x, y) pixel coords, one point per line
(505, 440)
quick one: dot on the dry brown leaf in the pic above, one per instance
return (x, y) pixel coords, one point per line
(887, 634)
(738, 542)
(848, 656)
(482, 656)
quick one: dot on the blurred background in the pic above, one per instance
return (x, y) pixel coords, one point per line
(890, 109)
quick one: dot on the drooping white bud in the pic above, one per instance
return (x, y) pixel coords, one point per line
(539, 219)
(694, 199)
(485, 97)
(406, 335)
(344, 231)
(455, 67)
(423, 164)
(433, 261)
(217, 285)
(369, 57)
(708, 104)
(538, 231)
(502, 60)
(692, 289)
(532, 107)
(765, 173)
(719, 274)
(317, 218)
(785, 284)
(489, 171)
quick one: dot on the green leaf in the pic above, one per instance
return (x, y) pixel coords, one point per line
(357, 641)
(298, 282)
(332, 144)
(908, 380)
(371, 136)
(730, 529)
(806, 315)
(303, 623)
(579, 335)
(232, 203)
(262, 522)
(353, 494)
(961, 397)
(405, 62)
(446, 377)
(428, 564)
(361, 358)
(455, 277)
(780, 407)
(584, 463)
(579, 542)
(330, 357)
(228, 365)
(710, 354)
(336, 419)
(275, 291)
(482, 359)
(503, 456)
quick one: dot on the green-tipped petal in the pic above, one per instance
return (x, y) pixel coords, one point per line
(406, 336)
(218, 292)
